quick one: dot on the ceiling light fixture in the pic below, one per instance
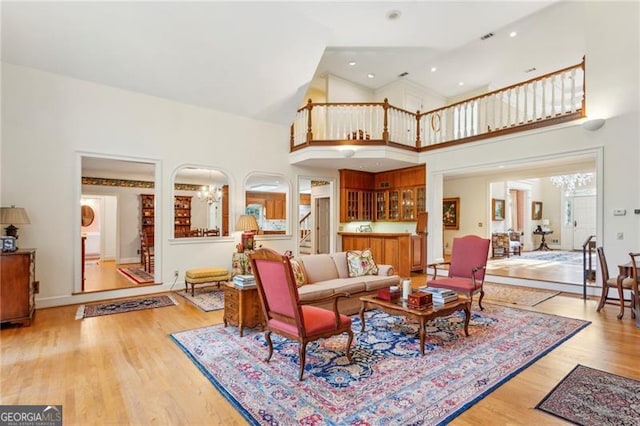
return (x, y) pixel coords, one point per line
(352, 63)
(393, 15)
(371, 75)
(461, 83)
(513, 34)
(571, 181)
(434, 69)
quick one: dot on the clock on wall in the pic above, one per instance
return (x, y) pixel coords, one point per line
(8, 244)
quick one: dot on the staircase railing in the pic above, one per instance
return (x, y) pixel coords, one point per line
(305, 228)
(543, 101)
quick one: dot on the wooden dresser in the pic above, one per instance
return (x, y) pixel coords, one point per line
(18, 286)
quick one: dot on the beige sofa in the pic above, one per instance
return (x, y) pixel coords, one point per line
(328, 274)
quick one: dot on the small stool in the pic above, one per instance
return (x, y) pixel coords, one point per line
(204, 275)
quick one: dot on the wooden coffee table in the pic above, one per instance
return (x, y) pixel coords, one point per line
(400, 307)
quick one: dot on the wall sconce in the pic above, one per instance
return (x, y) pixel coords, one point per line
(593, 124)
(13, 216)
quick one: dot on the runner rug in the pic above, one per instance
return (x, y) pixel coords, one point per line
(137, 274)
(587, 396)
(387, 382)
(208, 299)
(515, 295)
(120, 306)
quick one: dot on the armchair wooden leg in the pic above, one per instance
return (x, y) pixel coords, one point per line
(267, 336)
(302, 354)
(480, 300)
(350, 333)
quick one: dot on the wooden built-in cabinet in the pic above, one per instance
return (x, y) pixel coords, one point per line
(275, 203)
(18, 286)
(397, 195)
(387, 249)
(418, 252)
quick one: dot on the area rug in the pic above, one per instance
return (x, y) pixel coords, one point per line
(587, 396)
(120, 306)
(538, 258)
(388, 381)
(210, 298)
(515, 295)
(136, 274)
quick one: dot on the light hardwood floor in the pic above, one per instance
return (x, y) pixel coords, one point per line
(101, 275)
(124, 369)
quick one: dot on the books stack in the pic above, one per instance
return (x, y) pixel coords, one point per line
(244, 281)
(441, 295)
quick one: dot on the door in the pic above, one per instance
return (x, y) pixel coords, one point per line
(584, 219)
(322, 239)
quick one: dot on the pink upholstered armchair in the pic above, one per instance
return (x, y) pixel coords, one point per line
(285, 314)
(466, 267)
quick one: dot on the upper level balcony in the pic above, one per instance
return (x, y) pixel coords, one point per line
(543, 101)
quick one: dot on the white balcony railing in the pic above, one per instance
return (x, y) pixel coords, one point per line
(539, 102)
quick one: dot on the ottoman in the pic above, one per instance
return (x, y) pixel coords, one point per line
(204, 275)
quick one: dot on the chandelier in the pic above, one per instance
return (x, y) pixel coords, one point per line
(210, 193)
(570, 182)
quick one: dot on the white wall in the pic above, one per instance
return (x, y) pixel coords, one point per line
(47, 120)
(340, 90)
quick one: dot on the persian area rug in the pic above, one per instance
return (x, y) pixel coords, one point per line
(137, 274)
(515, 295)
(388, 381)
(120, 306)
(210, 298)
(587, 396)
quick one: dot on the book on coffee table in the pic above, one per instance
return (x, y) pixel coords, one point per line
(440, 295)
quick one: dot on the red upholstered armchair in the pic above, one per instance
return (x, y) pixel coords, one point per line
(466, 267)
(285, 314)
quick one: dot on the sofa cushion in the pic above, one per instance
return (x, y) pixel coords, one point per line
(340, 259)
(376, 282)
(298, 272)
(319, 267)
(329, 287)
(360, 263)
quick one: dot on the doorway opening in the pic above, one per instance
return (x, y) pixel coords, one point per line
(110, 246)
(315, 220)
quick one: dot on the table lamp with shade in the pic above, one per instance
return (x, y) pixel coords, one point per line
(248, 225)
(13, 216)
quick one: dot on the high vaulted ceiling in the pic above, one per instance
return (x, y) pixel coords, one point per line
(257, 59)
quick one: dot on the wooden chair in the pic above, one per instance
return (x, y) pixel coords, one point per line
(515, 244)
(286, 314)
(148, 258)
(635, 283)
(466, 267)
(620, 284)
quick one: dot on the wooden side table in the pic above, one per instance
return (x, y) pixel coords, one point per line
(242, 307)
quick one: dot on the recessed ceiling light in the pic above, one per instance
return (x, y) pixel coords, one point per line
(434, 69)
(371, 75)
(513, 34)
(352, 63)
(393, 14)
(461, 83)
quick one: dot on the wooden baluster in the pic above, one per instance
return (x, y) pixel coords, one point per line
(563, 106)
(385, 129)
(309, 131)
(418, 141)
(573, 90)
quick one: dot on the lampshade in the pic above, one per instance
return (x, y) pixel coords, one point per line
(13, 216)
(246, 222)
(545, 222)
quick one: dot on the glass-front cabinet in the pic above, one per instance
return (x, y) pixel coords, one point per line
(382, 205)
(394, 205)
(408, 204)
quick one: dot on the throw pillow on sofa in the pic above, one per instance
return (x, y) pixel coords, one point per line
(361, 263)
(298, 272)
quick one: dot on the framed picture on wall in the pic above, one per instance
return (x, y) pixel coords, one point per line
(451, 213)
(497, 209)
(536, 210)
